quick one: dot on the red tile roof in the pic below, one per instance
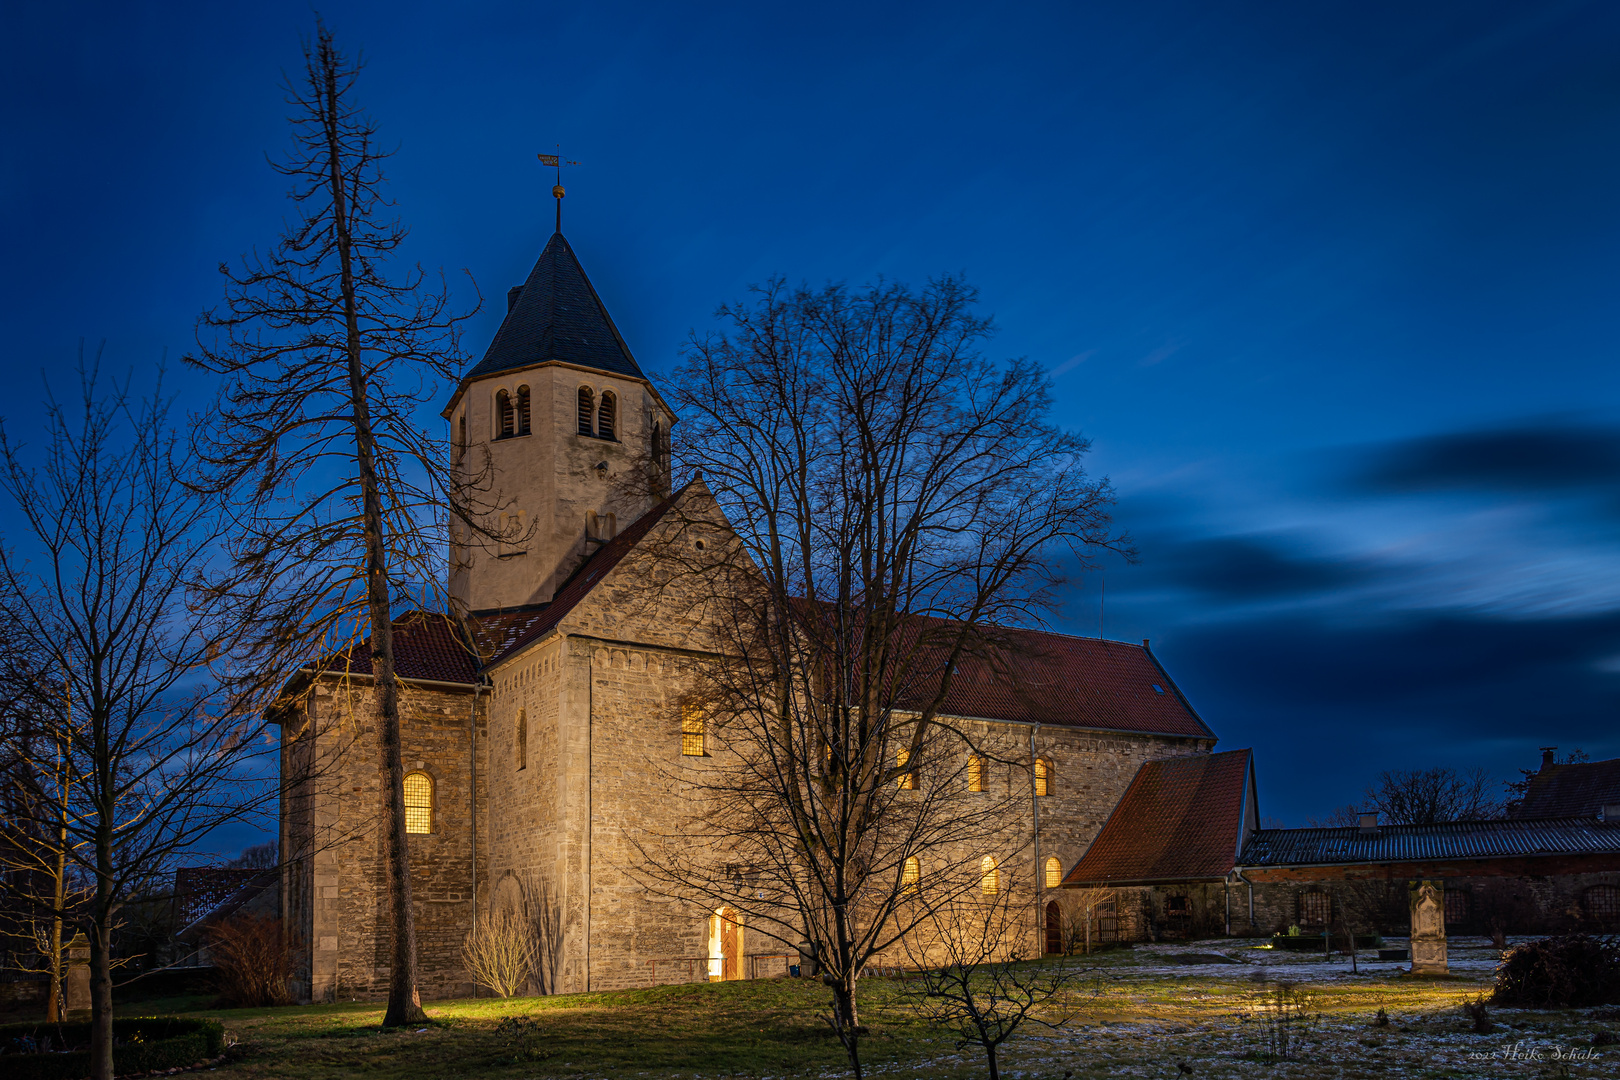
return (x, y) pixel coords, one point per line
(1575, 790)
(1074, 682)
(426, 646)
(1180, 820)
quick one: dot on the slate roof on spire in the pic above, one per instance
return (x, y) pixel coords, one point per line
(558, 316)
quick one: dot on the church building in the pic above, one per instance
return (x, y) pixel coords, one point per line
(543, 736)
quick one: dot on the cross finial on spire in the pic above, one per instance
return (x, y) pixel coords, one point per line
(555, 161)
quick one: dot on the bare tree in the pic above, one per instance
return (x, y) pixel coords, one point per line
(151, 755)
(1422, 797)
(42, 887)
(972, 976)
(1087, 901)
(895, 500)
(342, 494)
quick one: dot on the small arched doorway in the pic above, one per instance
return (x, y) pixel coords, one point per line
(725, 946)
(1054, 927)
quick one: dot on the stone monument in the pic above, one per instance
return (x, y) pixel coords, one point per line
(76, 979)
(1428, 928)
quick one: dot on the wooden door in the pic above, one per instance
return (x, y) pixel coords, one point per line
(730, 946)
(1054, 927)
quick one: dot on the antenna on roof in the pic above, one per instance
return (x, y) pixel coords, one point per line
(555, 161)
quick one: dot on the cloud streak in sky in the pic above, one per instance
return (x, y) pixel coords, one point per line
(1446, 600)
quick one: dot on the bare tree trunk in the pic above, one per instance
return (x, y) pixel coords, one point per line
(53, 1002)
(404, 997)
(101, 1008)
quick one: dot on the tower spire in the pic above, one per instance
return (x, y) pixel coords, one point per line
(555, 161)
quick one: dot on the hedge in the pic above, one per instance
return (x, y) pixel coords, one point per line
(140, 1044)
(1313, 942)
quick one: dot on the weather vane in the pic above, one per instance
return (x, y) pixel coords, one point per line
(555, 161)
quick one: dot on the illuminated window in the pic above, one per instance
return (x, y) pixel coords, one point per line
(523, 410)
(1043, 777)
(1054, 872)
(522, 739)
(692, 731)
(503, 415)
(975, 774)
(606, 417)
(587, 409)
(910, 874)
(908, 780)
(418, 803)
(989, 876)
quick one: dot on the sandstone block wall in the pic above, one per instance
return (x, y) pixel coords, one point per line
(334, 885)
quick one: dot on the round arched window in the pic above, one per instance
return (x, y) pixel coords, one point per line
(418, 802)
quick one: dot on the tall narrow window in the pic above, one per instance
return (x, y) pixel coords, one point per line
(587, 409)
(975, 773)
(910, 874)
(692, 731)
(461, 438)
(418, 802)
(607, 416)
(503, 415)
(1043, 776)
(989, 876)
(908, 780)
(523, 410)
(1054, 872)
(521, 736)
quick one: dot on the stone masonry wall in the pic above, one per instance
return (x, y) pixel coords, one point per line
(337, 897)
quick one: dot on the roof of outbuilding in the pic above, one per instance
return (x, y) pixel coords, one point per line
(557, 316)
(1421, 843)
(1180, 820)
(1579, 789)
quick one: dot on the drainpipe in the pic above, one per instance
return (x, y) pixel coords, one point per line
(1035, 819)
(472, 751)
(1237, 872)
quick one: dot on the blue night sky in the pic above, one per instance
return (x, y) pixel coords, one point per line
(1332, 287)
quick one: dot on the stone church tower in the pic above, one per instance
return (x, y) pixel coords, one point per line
(562, 409)
(542, 734)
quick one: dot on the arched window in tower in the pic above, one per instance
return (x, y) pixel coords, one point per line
(587, 410)
(911, 873)
(1054, 872)
(975, 773)
(1043, 776)
(418, 802)
(692, 731)
(989, 876)
(523, 410)
(522, 739)
(503, 415)
(908, 780)
(607, 417)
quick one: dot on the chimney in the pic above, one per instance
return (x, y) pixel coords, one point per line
(511, 297)
(1547, 755)
(1145, 645)
(1368, 823)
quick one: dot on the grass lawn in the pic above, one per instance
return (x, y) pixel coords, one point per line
(1144, 1011)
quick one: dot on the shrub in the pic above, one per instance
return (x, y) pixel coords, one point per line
(251, 962)
(140, 1044)
(500, 953)
(1570, 970)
